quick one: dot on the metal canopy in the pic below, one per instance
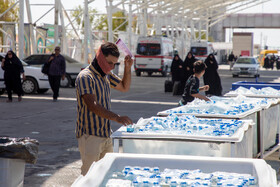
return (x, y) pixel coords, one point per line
(180, 19)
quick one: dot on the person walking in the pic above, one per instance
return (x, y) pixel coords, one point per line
(94, 113)
(13, 68)
(278, 63)
(231, 60)
(211, 76)
(272, 60)
(56, 71)
(266, 62)
(177, 68)
(188, 67)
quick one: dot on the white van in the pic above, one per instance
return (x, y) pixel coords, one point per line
(153, 54)
(201, 49)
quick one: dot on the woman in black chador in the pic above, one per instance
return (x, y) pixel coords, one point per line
(211, 76)
(12, 67)
(177, 69)
(188, 66)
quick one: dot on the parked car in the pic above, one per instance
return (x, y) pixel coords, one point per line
(246, 66)
(35, 80)
(73, 67)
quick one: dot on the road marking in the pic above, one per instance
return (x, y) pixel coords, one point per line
(112, 100)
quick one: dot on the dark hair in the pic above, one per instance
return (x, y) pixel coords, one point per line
(199, 66)
(110, 49)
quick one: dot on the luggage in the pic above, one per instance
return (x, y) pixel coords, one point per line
(168, 86)
(177, 88)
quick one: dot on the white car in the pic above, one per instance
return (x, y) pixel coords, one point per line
(35, 80)
(73, 67)
(246, 66)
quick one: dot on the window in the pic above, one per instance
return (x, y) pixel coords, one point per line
(199, 51)
(148, 49)
(69, 59)
(245, 61)
(34, 60)
(45, 58)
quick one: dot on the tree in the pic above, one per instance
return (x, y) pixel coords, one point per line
(10, 16)
(78, 15)
(118, 21)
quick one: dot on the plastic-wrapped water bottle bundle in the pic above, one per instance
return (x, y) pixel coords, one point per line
(267, 91)
(222, 105)
(152, 176)
(186, 125)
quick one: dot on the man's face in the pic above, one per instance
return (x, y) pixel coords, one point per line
(57, 50)
(111, 60)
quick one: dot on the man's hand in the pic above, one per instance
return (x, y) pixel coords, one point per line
(63, 77)
(2, 64)
(51, 58)
(206, 87)
(128, 62)
(124, 120)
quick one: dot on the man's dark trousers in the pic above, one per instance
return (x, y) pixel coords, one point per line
(55, 84)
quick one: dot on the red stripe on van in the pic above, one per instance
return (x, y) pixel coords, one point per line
(141, 56)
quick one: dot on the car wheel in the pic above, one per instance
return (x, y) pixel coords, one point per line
(2, 90)
(41, 91)
(66, 82)
(29, 85)
(138, 73)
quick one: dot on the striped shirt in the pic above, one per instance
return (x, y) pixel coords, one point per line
(90, 81)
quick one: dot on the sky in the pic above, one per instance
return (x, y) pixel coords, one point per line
(268, 36)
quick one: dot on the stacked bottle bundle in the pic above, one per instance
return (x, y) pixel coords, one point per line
(222, 105)
(187, 125)
(152, 176)
(267, 91)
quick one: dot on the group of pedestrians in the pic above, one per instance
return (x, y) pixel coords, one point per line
(188, 73)
(269, 62)
(13, 69)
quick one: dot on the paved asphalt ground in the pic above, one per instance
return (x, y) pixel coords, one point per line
(53, 123)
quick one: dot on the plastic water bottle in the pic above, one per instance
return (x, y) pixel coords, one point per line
(146, 183)
(252, 181)
(183, 184)
(173, 184)
(129, 128)
(136, 183)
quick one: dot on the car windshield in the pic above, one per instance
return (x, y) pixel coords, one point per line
(69, 59)
(198, 51)
(24, 63)
(148, 49)
(245, 61)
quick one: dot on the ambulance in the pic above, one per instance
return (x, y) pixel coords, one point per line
(201, 49)
(153, 54)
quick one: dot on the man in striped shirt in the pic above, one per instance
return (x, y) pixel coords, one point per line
(93, 110)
